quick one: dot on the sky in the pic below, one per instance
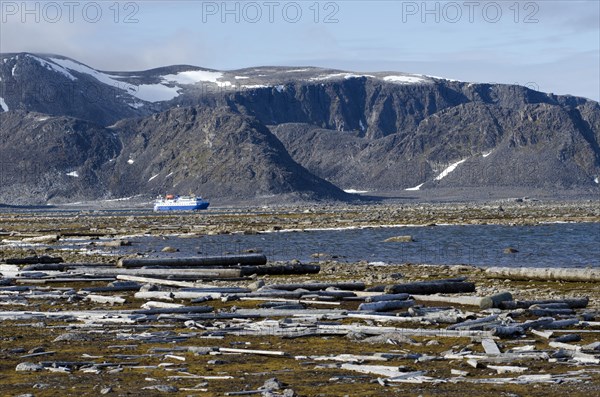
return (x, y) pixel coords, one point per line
(547, 45)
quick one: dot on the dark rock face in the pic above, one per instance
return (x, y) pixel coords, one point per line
(265, 132)
(32, 83)
(222, 154)
(550, 144)
(44, 158)
(217, 151)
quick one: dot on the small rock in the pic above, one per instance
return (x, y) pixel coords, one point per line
(148, 287)
(106, 390)
(169, 249)
(114, 243)
(256, 285)
(124, 284)
(272, 384)
(200, 350)
(399, 239)
(72, 337)
(28, 367)
(568, 338)
(510, 250)
(38, 349)
(162, 388)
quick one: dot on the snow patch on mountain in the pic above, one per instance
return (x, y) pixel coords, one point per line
(439, 78)
(416, 187)
(194, 77)
(449, 169)
(74, 174)
(156, 92)
(145, 92)
(355, 191)
(255, 86)
(81, 68)
(53, 67)
(339, 75)
(3, 105)
(404, 79)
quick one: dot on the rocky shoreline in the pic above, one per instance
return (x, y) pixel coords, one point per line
(78, 324)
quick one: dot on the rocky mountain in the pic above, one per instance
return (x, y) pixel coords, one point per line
(298, 133)
(231, 156)
(216, 150)
(46, 159)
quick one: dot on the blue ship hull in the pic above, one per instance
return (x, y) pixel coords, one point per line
(180, 203)
(202, 206)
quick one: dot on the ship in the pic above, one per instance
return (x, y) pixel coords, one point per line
(180, 203)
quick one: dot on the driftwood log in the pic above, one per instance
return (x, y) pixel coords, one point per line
(223, 261)
(30, 260)
(318, 286)
(279, 269)
(573, 303)
(384, 306)
(431, 287)
(544, 274)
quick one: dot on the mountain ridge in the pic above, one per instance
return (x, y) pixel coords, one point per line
(315, 131)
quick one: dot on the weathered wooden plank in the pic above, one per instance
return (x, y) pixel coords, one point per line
(490, 346)
(313, 302)
(318, 286)
(170, 295)
(343, 329)
(105, 299)
(470, 323)
(483, 302)
(185, 309)
(165, 273)
(252, 351)
(383, 370)
(386, 317)
(160, 281)
(502, 369)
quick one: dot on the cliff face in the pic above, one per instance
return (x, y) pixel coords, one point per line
(212, 150)
(47, 158)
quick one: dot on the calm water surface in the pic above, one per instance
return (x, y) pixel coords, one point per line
(554, 245)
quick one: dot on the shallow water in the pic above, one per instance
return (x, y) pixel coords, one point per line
(552, 245)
